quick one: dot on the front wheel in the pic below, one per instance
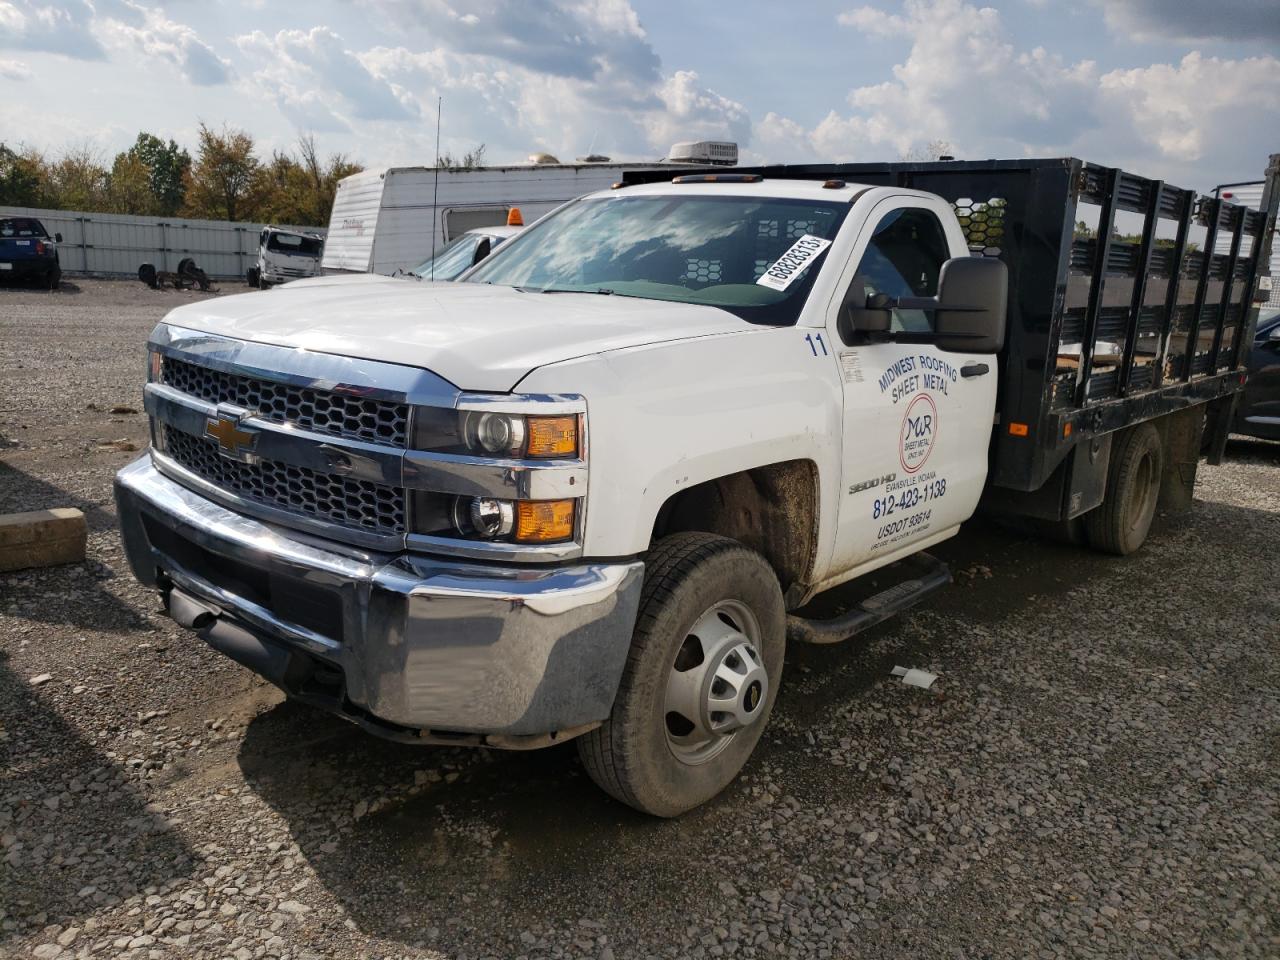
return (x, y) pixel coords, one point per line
(700, 680)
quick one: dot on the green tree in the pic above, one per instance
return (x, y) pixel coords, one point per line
(129, 187)
(472, 160)
(167, 165)
(300, 190)
(226, 181)
(22, 177)
(930, 151)
(77, 181)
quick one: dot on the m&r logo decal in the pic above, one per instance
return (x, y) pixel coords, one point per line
(919, 431)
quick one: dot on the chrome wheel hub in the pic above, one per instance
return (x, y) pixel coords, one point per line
(718, 684)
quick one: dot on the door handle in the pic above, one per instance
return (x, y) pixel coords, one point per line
(974, 370)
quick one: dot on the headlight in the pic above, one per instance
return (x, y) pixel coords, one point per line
(499, 461)
(506, 435)
(525, 521)
(486, 516)
(499, 434)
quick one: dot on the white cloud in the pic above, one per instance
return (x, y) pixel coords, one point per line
(1194, 20)
(963, 80)
(874, 22)
(318, 84)
(580, 39)
(1201, 114)
(36, 26)
(566, 78)
(14, 70)
(692, 112)
(148, 31)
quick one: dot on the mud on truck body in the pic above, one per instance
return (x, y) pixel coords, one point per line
(584, 492)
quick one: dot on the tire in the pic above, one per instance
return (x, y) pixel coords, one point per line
(1121, 523)
(648, 756)
(147, 274)
(251, 276)
(54, 277)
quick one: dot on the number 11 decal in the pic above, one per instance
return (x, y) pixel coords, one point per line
(815, 340)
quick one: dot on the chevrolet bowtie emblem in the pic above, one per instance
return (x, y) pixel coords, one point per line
(231, 439)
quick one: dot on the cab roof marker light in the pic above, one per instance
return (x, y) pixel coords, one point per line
(718, 178)
(1019, 429)
(833, 185)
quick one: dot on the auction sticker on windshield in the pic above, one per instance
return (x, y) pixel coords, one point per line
(783, 271)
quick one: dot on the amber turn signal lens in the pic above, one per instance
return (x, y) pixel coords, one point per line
(544, 521)
(155, 366)
(553, 436)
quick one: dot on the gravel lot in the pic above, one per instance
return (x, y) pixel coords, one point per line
(1097, 774)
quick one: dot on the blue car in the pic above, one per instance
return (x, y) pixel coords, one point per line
(28, 252)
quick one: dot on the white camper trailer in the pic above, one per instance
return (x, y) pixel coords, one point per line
(383, 221)
(1250, 195)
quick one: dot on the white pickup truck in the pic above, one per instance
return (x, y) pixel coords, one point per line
(584, 492)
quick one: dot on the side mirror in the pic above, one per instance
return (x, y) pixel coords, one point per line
(973, 301)
(858, 317)
(57, 238)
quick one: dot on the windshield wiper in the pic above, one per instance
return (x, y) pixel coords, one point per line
(602, 291)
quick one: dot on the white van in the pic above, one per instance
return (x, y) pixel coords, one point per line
(383, 221)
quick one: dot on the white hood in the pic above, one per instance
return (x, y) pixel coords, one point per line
(478, 337)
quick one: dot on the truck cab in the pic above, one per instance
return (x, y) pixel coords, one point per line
(587, 491)
(285, 255)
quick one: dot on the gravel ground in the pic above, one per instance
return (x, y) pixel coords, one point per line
(1096, 773)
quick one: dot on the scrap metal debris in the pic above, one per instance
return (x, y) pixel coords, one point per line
(186, 276)
(915, 678)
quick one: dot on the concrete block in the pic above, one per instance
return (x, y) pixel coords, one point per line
(42, 538)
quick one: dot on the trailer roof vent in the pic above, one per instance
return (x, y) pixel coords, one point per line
(542, 158)
(720, 152)
(594, 158)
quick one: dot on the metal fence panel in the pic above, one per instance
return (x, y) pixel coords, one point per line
(115, 244)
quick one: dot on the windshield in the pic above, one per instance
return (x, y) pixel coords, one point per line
(455, 256)
(720, 251)
(293, 244)
(21, 227)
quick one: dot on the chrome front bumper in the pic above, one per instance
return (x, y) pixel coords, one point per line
(410, 646)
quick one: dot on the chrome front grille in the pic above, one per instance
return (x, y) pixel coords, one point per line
(324, 411)
(357, 504)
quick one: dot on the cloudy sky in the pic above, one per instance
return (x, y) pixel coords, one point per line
(1187, 90)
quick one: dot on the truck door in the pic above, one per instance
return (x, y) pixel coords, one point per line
(917, 420)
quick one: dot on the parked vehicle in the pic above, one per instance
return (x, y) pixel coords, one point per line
(285, 255)
(27, 251)
(1258, 414)
(383, 220)
(462, 253)
(586, 492)
(1249, 194)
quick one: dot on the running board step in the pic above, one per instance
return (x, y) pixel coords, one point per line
(875, 609)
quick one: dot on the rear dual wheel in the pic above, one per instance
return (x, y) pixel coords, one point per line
(700, 680)
(1120, 525)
